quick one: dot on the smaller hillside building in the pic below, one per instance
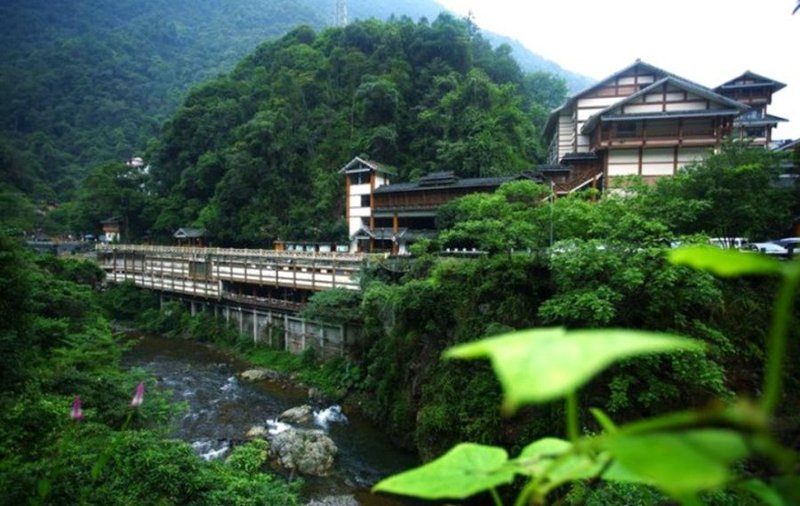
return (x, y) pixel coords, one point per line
(187, 236)
(389, 217)
(111, 229)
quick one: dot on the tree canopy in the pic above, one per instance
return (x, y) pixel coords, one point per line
(253, 156)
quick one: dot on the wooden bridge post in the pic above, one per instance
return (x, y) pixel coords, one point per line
(255, 327)
(286, 331)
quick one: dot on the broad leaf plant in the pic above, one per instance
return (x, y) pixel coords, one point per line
(683, 454)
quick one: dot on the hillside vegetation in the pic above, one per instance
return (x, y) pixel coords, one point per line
(254, 155)
(58, 350)
(88, 82)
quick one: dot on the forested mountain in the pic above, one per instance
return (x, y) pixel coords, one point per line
(84, 82)
(253, 156)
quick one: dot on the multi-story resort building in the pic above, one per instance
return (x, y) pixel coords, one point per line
(645, 121)
(640, 121)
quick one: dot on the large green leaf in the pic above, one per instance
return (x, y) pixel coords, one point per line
(543, 364)
(539, 455)
(726, 263)
(465, 470)
(553, 462)
(679, 463)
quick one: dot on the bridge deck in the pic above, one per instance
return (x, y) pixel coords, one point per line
(206, 271)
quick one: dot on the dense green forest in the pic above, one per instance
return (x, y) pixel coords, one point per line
(86, 83)
(56, 344)
(253, 156)
(607, 268)
(90, 82)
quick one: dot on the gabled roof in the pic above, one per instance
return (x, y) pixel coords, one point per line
(551, 121)
(760, 81)
(189, 233)
(380, 233)
(358, 164)
(111, 221)
(731, 107)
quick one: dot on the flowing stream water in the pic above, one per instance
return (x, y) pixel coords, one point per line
(221, 408)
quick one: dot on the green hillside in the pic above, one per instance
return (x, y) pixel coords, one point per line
(87, 82)
(254, 156)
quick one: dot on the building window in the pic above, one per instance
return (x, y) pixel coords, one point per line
(755, 132)
(365, 201)
(626, 129)
(755, 113)
(359, 178)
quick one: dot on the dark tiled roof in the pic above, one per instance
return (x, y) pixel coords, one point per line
(476, 182)
(762, 81)
(553, 167)
(767, 120)
(670, 114)
(580, 156)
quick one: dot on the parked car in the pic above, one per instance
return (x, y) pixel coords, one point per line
(786, 242)
(770, 248)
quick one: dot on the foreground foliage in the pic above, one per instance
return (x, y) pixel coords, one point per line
(682, 453)
(56, 345)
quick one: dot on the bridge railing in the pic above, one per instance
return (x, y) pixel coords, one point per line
(236, 252)
(298, 270)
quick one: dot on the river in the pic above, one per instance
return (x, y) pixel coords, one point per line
(221, 409)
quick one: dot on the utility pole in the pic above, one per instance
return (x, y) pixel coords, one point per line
(341, 13)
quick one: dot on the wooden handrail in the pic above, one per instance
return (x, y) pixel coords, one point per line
(251, 253)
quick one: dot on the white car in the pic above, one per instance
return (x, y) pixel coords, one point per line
(770, 248)
(786, 242)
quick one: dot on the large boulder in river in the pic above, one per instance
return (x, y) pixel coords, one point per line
(259, 374)
(300, 414)
(257, 432)
(308, 452)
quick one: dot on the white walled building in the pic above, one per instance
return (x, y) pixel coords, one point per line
(362, 178)
(648, 122)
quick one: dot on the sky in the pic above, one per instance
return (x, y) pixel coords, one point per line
(705, 41)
